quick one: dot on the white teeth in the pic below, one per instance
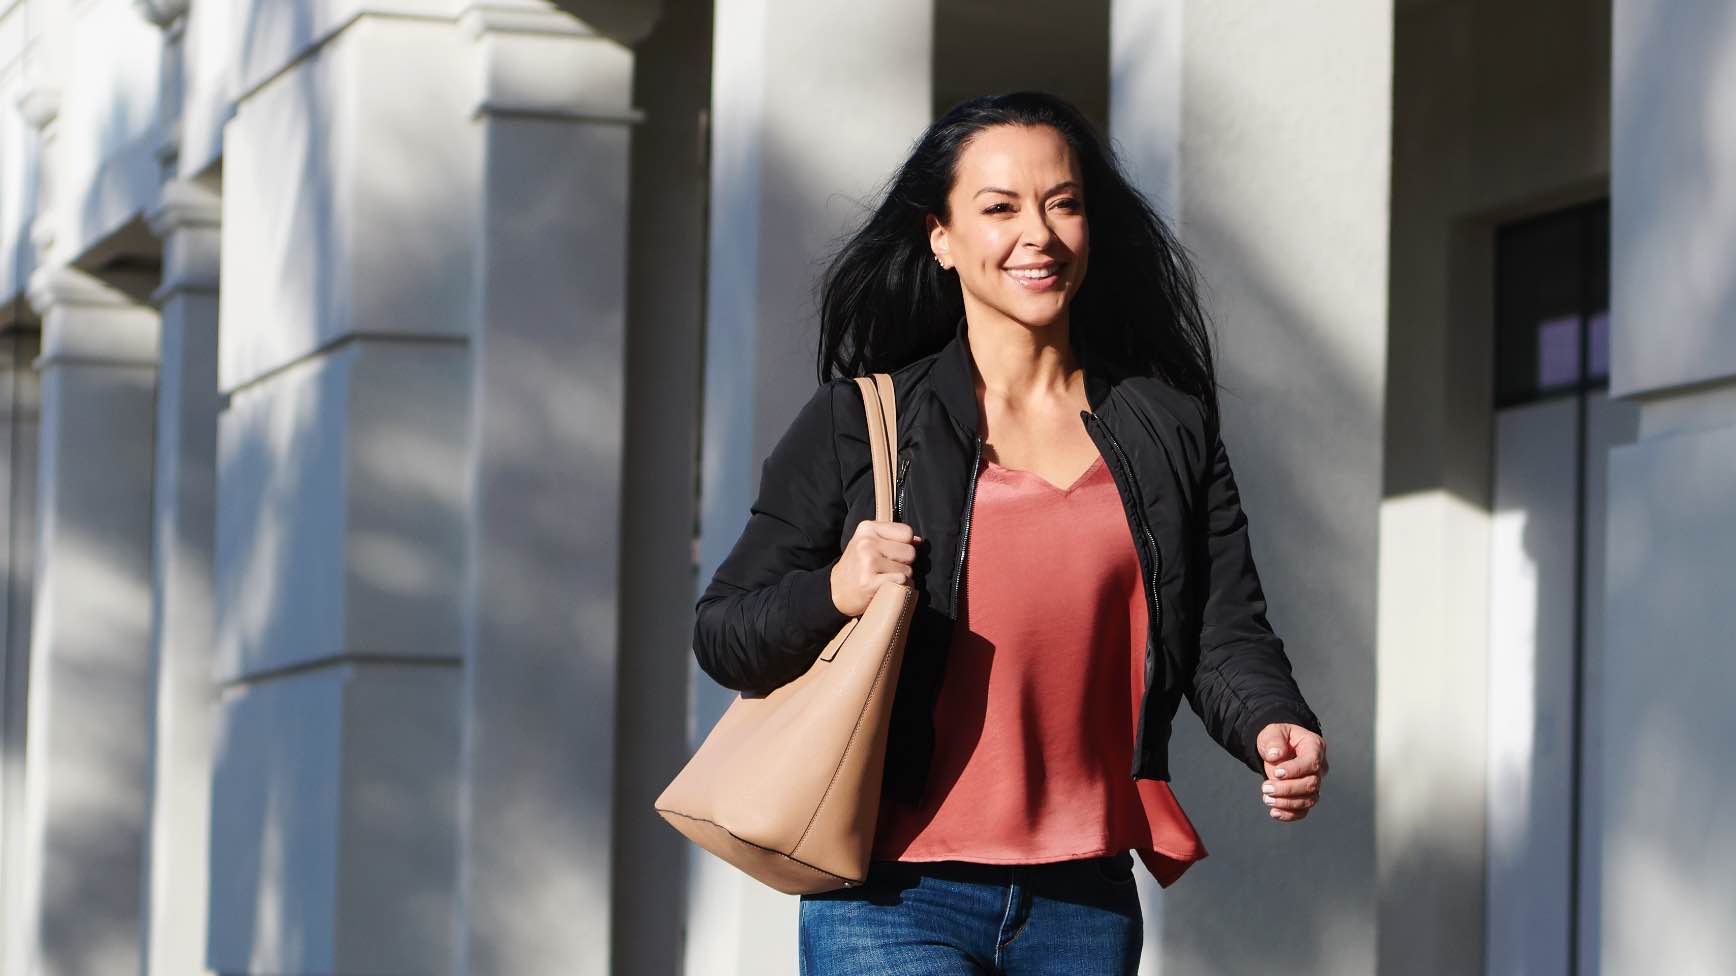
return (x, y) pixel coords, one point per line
(1032, 273)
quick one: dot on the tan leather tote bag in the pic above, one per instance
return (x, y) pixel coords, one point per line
(787, 786)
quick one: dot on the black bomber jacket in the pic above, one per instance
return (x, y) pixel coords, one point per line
(768, 609)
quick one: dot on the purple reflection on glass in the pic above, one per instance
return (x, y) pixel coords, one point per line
(1558, 351)
(1599, 343)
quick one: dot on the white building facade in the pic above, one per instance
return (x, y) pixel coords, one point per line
(383, 379)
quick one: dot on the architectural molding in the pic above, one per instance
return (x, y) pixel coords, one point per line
(187, 219)
(630, 116)
(163, 13)
(522, 18)
(55, 288)
(185, 205)
(87, 321)
(626, 22)
(532, 66)
(40, 105)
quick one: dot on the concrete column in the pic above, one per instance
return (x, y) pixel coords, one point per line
(660, 459)
(553, 119)
(183, 699)
(343, 373)
(20, 394)
(1266, 156)
(813, 106)
(86, 764)
(19, 399)
(1669, 877)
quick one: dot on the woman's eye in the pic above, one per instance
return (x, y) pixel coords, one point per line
(997, 208)
(1067, 203)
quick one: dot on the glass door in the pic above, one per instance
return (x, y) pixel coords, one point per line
(1554, 427)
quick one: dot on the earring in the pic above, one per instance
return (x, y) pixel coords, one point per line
(940, 260)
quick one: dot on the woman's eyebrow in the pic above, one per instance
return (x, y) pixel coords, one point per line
(1057, 188)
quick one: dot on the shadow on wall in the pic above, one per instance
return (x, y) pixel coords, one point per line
(256, 777)
(992, 46)
(1298, 422)
(298, 754)
(98, 603)
(1301, 400)
(1666, 890)
(1668, 234)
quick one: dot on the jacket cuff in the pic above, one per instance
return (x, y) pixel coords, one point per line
(811, 606)
(1294, 713)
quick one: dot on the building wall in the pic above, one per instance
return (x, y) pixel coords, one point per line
(398, 426)
(398, 434)
(1668, 880)
(1264, 136)
(1499, 111)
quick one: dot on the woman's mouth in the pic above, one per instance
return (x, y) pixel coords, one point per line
(1040, 278)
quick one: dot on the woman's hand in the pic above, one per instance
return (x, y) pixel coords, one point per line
(879, 552)
(1295, 764)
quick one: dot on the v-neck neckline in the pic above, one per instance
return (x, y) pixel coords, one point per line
(1045, 482)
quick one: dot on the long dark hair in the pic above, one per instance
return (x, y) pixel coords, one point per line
(884, 302)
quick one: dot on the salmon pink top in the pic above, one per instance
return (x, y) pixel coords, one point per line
(1035, 719)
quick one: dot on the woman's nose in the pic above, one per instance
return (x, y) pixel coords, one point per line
(1037, 229)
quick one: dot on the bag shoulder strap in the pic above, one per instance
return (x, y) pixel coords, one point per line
(882, 410)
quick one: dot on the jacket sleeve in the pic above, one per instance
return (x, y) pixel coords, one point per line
(768, 612)
(1242, 682)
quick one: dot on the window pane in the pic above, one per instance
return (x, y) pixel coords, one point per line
(1558, 352)
(1551, 301)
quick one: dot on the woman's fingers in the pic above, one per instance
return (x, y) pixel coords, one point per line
(1291, 787)
(878, 552)
(892, 568)
(891, 531)
(902, 552)
(1291, 799)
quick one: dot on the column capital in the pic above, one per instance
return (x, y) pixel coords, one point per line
(185, 205)
(67, 287)
(87, 321)
(39, 104)
(541, 62)
(521, 17)
(188, 219)
(163, 13)
(626, 22)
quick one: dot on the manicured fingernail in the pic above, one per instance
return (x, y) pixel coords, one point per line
(1272, 752)
(1270, 800)
(1268, 788)
(1274, 813)
(1279, 772)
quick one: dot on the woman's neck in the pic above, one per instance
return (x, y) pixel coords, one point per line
(1017, 363)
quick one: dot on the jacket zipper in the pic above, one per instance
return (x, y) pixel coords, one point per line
(964, 531)
(898, 502)
(1144, 529)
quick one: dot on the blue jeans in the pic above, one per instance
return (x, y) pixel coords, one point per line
(1077, 917)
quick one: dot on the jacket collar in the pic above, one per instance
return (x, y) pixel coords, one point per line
(954, 380)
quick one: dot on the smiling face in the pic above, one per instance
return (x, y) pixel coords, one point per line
(1016, 233)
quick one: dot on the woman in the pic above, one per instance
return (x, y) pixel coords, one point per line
(1057, 628)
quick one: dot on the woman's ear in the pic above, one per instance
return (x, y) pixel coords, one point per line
(936, 234)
